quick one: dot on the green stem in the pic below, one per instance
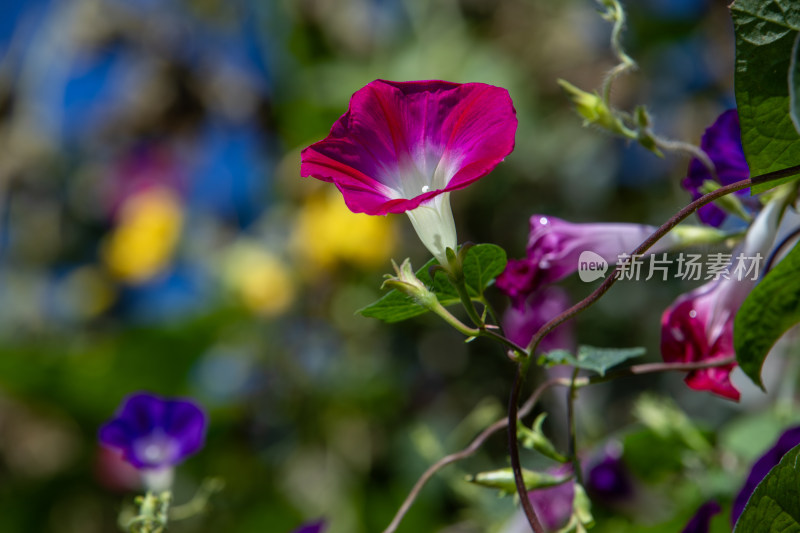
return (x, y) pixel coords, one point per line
(466, 301)
(513, 448)
(572, 394)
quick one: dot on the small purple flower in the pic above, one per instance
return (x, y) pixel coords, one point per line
(555, 245)
(402, 147)
(722, 142)
(154, 433)
(701, 521)
(311, 527)
(788, 440)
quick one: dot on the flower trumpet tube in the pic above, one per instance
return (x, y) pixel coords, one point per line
(402, 147)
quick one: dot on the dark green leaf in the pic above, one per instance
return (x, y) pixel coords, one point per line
(768, 312)
(794, 84)
(765, 35)
(775, 504)
(590, 358)
(483, 263)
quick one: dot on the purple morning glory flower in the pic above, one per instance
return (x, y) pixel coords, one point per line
(313, 527)
(608, 480)
(722, 142)
(555, 245)
(701, 521)
(155, 433)
(788, 440)
(402, 147)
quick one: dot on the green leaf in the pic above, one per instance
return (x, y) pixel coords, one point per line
(765, 35)
(483, 263)
(768, 312)
(395, 306)
(590, 358)
(794, 84)
(775, 504)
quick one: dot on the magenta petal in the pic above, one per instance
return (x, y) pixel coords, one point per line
(402, 143)
(694, 329)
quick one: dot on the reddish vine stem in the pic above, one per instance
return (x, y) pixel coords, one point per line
(530, 514)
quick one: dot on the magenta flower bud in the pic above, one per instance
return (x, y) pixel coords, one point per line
(699, 325)
(153, 433)
(722, 142)
(402, 147)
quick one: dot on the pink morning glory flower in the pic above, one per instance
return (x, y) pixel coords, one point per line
(722, 142)
(402, 147)
(699, 325)
(154, 434)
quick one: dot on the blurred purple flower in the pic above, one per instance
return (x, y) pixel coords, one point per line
(312, 527)
(788, 440)
(520, 323)
(155, 433)
(555, 245)
(403, 146)
(608, 480)
(701, 521)
(722, 142)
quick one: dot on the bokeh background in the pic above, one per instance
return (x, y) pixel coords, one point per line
(155, 235)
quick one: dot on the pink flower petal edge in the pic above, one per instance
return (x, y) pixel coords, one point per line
(403, 143)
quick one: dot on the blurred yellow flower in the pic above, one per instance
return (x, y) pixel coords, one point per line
(143, 242)
(260, 279)
(327, 232)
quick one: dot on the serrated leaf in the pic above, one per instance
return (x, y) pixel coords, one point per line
(590, 358)
(765, 35)
(775, 504)
(483, 263)
(768, 312)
